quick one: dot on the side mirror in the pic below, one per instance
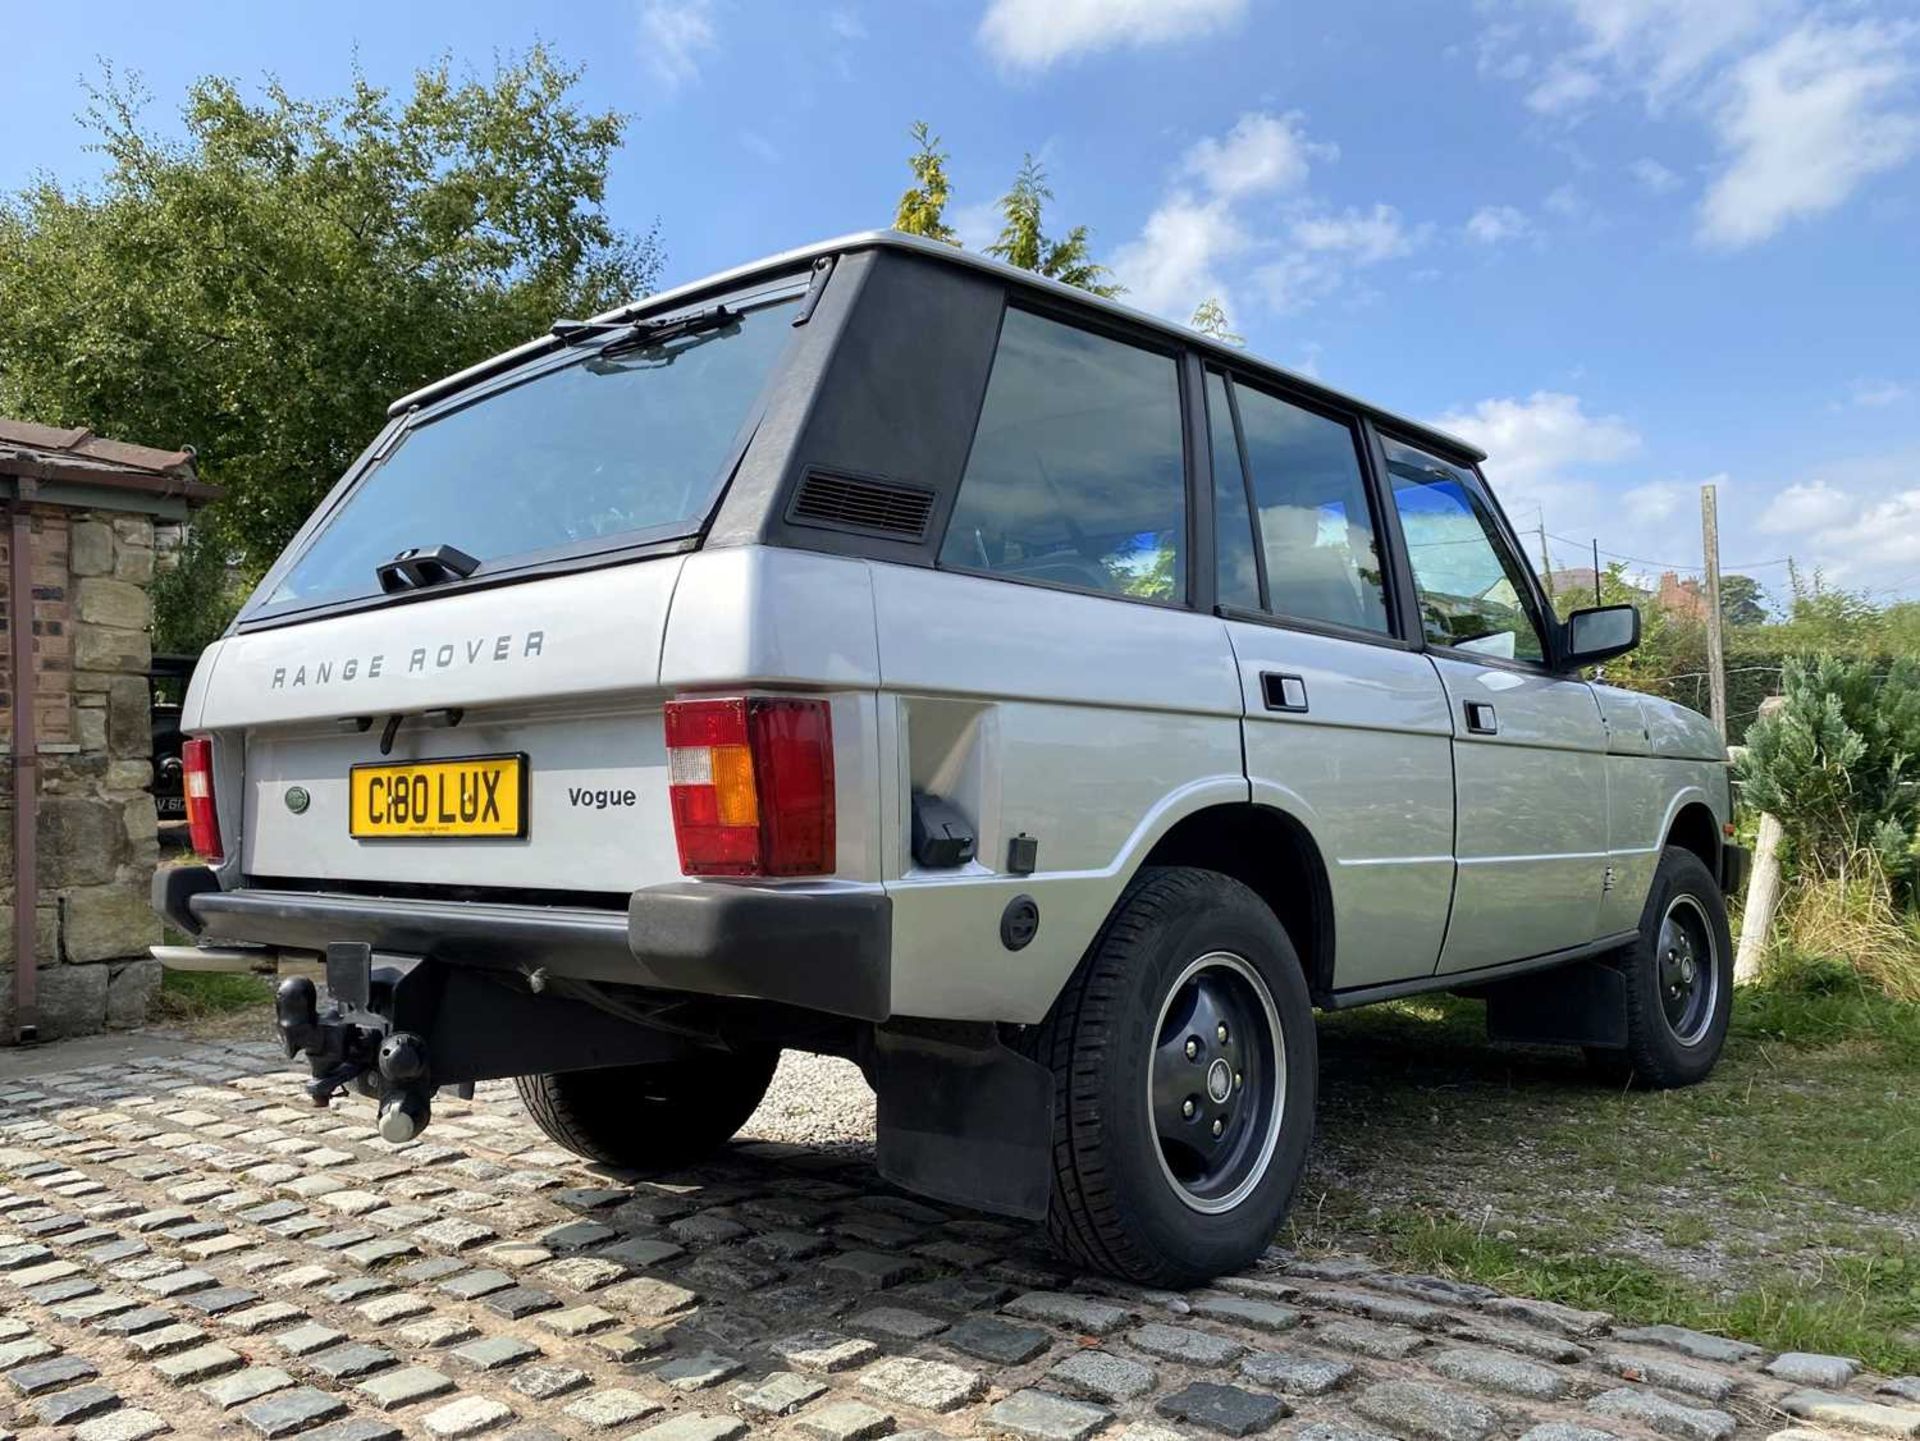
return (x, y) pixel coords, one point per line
(1601, 633)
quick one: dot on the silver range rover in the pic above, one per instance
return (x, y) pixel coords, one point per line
(882, 652)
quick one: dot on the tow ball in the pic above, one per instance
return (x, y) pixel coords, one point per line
(356, 1038)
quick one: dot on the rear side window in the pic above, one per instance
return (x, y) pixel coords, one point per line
(1238, 574)
(1075, 476)
(1315, 528)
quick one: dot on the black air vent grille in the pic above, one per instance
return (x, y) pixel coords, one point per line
(872, 507)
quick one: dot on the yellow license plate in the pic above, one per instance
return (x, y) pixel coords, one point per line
(472, 796)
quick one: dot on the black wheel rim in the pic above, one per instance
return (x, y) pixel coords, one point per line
(1687, 969)
(1217, 1085)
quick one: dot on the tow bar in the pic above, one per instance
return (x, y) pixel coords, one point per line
(357, 1040)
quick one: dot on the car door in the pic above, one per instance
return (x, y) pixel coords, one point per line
(1346, 725)
(1529, 745)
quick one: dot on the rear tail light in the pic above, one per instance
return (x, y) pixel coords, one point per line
(751, 784)
(203, 823)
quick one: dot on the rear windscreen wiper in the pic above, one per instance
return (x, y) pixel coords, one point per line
(644, 332)
(420, 567)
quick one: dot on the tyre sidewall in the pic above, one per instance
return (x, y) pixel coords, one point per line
(1659, 1055)
(1196, 1243)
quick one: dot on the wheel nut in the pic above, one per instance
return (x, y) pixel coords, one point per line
(1221, 1032)
(1219, 1126)
(1187, 1108)
(1193, 1048)
(1238, 1080)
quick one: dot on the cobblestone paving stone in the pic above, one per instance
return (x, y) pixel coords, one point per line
(186, 1248)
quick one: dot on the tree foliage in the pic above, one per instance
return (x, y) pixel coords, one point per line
(263, 287)
(923, 206)
(1023, 239)
(1210, 319)
(1742, 601)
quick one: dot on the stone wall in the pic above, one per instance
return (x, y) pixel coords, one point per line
(97, 844)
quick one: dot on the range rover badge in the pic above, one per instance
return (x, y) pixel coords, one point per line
(298, 799)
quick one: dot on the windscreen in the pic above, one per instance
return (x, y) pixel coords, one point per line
(623, 445)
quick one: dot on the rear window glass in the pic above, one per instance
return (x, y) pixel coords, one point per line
(621, 446)
(1075, 477)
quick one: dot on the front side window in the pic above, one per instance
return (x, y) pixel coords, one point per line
(622, 445)
(1310, 505)
(1075, 477)
(1474, 595)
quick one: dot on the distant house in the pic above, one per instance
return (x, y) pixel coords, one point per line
(1686, 599)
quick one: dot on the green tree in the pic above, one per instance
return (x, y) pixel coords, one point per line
(1023, 240)
(1742, 601)
(262, 287)
(923, 206)
(1210, 319)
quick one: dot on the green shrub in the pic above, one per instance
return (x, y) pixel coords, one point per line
(1838, 764)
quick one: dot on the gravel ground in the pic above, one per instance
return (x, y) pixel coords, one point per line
(815, 1101)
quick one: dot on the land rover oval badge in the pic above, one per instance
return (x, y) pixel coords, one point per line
(298, 799)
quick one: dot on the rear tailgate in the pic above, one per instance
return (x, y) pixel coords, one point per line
(562, 672)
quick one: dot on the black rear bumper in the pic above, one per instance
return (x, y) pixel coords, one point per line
(823, 950)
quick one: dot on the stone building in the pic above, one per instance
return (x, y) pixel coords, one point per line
(77, 829)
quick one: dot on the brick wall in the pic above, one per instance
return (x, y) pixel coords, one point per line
(96, 837)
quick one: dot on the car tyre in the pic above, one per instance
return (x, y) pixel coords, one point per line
(1142, 1188)
(652, 1117)
(1679, 975)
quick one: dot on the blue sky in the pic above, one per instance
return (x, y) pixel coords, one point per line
(1627, 245)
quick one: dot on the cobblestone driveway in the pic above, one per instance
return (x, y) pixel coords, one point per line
(184, 1245)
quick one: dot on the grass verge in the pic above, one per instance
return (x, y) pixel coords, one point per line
(196, 999)
(1778, 1202)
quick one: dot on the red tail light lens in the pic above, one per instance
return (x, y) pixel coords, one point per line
(751, 785)
(196, 778)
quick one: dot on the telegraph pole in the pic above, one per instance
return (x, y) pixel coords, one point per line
(1546, 564)
(1716, 652)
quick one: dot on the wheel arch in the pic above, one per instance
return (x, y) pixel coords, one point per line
(1694, 827)
(1274, 855)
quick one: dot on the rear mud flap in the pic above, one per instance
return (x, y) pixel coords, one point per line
(1584, 1004)
(964, 1119)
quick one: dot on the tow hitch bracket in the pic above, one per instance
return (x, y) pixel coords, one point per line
(355, 1041)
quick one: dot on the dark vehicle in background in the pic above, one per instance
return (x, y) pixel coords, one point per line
(168, 680)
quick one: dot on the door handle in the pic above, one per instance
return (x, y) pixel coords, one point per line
(1282, 691)
(1481, 720)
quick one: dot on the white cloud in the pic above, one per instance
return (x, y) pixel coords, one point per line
(846, 24)
(1877, 393)
(1033, 34)
(977, 225)
(1661, 46)
(1262, 152)
(1810, 118)
(1654, 178)
(1496, 224)
(1658, 500)
(1175, 263)
(674, 34)
(1806, 101)
(1366, 237)
(1543, 440)
(1876, 542)
(1565, 201)
(1566, 86)
(1805, 508)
